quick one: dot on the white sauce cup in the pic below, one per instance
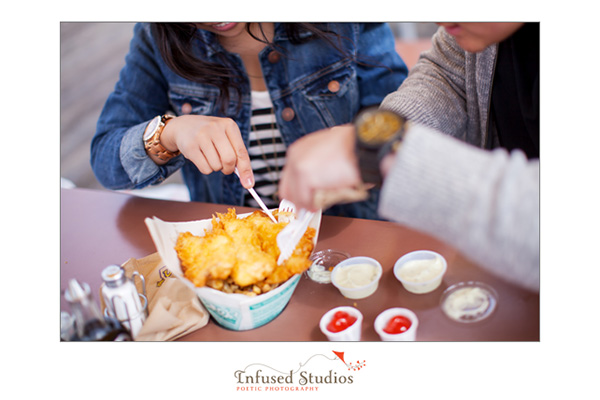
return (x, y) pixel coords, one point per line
(361, 291)
(420, 285)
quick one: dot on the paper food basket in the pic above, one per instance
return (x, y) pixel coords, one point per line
(233, 311)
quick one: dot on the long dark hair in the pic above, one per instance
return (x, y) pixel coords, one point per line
(175, 42)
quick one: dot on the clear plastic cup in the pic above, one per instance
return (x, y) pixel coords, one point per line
(351, 333)
(384, 318)
(323, 263)
(469, 302)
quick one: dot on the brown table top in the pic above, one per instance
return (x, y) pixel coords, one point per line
(99, 228)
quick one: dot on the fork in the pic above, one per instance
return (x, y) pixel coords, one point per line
(289, 236)
(287, 211)
(258, 200)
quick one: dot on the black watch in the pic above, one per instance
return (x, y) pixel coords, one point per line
(378, 132)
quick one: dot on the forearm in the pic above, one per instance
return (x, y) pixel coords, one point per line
(119, 160)
(105, 160)
(486, 204)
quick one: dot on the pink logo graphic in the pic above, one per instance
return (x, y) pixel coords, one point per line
(353, 367)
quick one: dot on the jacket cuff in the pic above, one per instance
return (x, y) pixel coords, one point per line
(140, 168)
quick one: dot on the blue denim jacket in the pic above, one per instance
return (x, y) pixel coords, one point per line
(297, 80)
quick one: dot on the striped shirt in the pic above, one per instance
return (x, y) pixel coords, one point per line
(266, 149)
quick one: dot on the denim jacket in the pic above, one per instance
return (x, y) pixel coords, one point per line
(297, 77)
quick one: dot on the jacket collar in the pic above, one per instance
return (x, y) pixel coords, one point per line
(215, 47)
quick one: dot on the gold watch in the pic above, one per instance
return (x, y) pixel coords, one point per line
(378, 132)
(152, 138)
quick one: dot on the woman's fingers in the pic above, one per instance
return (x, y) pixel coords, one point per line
(213, 144)
(209, 151)
(195, 155)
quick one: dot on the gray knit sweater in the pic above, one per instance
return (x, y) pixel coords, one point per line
(485, 203)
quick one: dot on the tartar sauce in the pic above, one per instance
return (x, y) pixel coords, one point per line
(319, 273)
(355, 275)
(421, 270)
(466, 303)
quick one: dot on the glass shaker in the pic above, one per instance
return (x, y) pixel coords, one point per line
(122, 299)
(90, 324)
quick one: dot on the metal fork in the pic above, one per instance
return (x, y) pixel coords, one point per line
(258, 200)
(289, 237)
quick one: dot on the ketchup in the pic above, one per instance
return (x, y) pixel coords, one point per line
(397, 324)
(340, 321)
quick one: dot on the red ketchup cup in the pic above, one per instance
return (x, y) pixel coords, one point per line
(342, 324)
(397, 324)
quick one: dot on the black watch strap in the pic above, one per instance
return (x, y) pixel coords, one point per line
(368, 160)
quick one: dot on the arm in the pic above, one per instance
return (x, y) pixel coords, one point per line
(119, 159)
(485, 203)
(118, 156)
(434, 94)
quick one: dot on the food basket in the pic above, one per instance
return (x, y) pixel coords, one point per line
(233, 311)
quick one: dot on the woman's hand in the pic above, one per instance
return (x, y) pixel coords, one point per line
(211, 143)
(323, 160)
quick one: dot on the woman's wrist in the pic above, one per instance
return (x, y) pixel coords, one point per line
(167, 138)
(158, 140)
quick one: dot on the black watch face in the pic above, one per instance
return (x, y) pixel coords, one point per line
(378, 127)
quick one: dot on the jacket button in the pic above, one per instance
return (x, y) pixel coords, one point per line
(288, 114)
(333, 86)
(274, 57)
(186, 108)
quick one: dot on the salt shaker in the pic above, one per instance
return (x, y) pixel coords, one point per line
(122, 299)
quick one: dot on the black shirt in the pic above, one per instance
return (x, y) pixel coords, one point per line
(516, 91)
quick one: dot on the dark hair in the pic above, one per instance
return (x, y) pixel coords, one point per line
(175, 42)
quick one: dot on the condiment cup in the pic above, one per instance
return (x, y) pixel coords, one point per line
(429, 280)
(469, 302)
(352, 333)
(383, 319)
(323, 263)
(352, 285)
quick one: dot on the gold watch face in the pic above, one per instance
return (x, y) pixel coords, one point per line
(378, 126)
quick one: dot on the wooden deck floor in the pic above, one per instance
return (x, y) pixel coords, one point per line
(92, 54)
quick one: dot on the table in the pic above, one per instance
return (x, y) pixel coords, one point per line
(99, 228)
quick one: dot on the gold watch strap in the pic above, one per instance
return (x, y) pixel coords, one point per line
(153, 145)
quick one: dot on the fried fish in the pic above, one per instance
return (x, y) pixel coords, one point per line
(240, 254)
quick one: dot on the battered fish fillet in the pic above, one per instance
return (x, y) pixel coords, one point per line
(208, 257)
(241, 252)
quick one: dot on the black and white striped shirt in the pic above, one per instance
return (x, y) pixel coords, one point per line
(266, 149)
